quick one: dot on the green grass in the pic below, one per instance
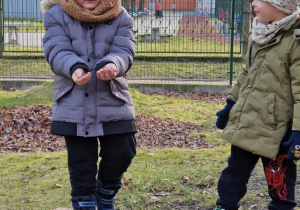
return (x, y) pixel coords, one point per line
(180, 45)
(21, 50)
(184, 110)
(29, 181)
(38, 26)
(20, 67)
(36, 95)
(185, 177)
(40, 180)
(182, 70)
(197, 112)
(176, 46)
(140, 69)
(180, 109)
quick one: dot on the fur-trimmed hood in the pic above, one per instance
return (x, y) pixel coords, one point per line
(47, 4)
(105, 10)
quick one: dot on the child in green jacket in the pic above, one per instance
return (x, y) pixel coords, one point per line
(262, 116)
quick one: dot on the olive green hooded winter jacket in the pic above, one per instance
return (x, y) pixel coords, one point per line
(267, 94)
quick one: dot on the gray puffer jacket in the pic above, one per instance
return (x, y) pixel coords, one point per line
(99, 107)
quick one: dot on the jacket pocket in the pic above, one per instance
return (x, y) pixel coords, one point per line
(119, 89)
(271, 118)
(62, 87)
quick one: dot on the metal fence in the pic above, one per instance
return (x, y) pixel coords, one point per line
(193, 41)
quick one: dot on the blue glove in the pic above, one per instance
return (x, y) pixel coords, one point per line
(224, 114)
(294, 144)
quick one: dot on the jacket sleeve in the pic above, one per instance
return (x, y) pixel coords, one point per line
(234, 91)
(57, 45)
(123, 47)
(295, 84)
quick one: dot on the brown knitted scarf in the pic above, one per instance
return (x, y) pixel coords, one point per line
(105, 11)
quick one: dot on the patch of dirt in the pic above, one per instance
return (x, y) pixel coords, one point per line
(27, 129)
(165, 132)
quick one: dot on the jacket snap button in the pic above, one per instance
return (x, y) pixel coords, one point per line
(270, 112)
(86, 95)
(86, 133)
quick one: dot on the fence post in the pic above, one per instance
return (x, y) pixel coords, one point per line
(246, 25)
(232, 41)
(1, 29)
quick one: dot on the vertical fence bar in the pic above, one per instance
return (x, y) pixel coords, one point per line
(232, 42)
(246, 25)
(242, 23)
(1, 29)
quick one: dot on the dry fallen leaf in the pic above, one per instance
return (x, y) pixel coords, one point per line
(186, 178)
(56, 186)
(154, 199)
(27, 128)
(162, 193)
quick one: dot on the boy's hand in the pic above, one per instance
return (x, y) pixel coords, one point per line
(107, 72)
(223, 115)
(294, 145)
(80, 77)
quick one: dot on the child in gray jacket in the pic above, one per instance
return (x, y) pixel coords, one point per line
(90, 46)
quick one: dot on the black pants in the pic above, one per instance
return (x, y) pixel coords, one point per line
(116, 154)
(281, 175)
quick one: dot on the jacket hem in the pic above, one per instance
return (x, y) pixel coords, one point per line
(109, 128)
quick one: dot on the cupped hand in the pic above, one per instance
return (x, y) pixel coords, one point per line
(81, 77)
(107, 72)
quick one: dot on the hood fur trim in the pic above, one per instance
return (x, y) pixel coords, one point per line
(45, 5)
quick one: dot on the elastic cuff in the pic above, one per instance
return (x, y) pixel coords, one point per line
(230, 101)
(101, 64)
(78, 65)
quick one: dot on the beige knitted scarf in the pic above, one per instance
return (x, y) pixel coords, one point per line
(263, 33)
(106, 10)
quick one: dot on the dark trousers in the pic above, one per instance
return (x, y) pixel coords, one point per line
(281, 175)
(116, 154)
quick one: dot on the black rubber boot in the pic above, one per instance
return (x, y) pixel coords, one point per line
(84, 202)
(105, 196)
